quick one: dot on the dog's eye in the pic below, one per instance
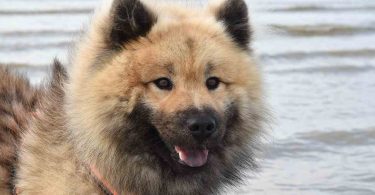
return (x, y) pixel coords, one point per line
(212, 83)
(164, 83)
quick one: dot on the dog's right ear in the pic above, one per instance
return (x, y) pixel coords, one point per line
(234, 15)
(130, 19)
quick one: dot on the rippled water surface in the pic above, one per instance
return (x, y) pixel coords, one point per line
(318, 58)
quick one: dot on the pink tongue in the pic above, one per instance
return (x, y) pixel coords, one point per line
(192, 158)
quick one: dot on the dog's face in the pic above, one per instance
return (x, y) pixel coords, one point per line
(186, 78)
(192, 81)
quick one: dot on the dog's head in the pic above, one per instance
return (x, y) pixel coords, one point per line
(176, 86)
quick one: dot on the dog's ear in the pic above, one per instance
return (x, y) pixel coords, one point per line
(234, 15)
(130, 19)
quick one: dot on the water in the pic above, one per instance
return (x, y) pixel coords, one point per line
(318, 58)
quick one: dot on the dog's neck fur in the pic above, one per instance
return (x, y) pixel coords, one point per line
(102, 182)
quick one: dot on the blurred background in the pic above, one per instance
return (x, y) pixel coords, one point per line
(318, 58)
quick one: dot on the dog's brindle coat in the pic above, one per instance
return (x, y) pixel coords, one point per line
(133, 149)
(18, 100)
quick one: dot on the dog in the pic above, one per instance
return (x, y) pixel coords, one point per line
(158, 100)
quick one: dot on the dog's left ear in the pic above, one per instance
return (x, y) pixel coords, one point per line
(234, 15)
(129, 19)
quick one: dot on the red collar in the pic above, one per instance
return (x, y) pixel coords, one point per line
(105, 185)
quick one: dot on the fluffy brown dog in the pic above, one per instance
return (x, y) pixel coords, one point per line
(160, 100)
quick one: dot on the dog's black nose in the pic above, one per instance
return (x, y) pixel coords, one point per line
(201, 126)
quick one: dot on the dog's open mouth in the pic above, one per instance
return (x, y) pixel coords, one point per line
(192, 157)
(187, 157)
